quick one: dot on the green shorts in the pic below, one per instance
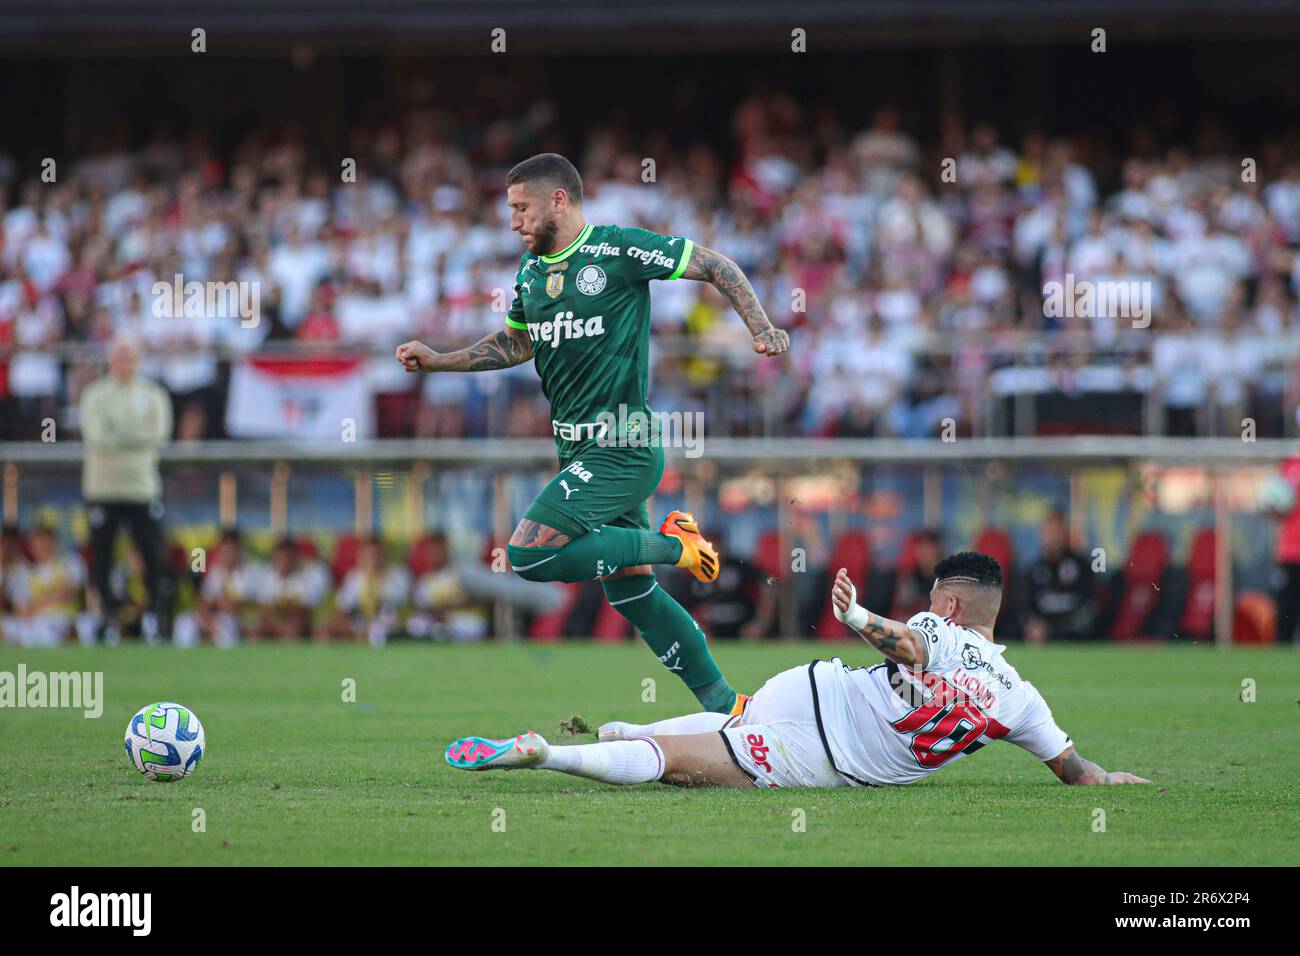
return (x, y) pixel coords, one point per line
(600, 486)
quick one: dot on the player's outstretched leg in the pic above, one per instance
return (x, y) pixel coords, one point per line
(692, 760)
(701, 723)
(603, 550)
(628, 761)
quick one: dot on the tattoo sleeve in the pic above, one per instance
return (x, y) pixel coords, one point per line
(896, 641)
(725, 276)
(1076, 771)
(501, 349)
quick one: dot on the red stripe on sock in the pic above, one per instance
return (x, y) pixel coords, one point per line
(659, 754)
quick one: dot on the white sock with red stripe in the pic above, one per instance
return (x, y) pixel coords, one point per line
(623, 761)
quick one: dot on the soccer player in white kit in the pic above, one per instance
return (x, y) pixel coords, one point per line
(944, 691)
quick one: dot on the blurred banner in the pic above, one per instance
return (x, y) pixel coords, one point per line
(299, 398)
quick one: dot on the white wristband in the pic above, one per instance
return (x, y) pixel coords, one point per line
(857, 617)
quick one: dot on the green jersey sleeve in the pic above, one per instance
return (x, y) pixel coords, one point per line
(515, 316)
(648, 255)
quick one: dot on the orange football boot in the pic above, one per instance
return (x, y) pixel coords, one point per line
(698, 555)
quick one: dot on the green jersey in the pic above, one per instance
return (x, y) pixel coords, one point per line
(587, 310)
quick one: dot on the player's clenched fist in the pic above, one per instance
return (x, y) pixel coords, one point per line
(416, 356)
(772, 341)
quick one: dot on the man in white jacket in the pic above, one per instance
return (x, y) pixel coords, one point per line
(124, 421)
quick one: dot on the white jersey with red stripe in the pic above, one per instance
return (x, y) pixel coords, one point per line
(890, 725)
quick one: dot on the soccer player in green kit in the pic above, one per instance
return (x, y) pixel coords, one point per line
(581, 310)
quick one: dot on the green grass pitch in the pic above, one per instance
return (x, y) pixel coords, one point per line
(294, 775)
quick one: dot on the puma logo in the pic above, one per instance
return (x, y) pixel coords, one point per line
(567, 490)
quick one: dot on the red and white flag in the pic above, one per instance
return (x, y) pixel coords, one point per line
(312, 399)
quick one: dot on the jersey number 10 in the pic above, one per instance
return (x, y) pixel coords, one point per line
(948, 725)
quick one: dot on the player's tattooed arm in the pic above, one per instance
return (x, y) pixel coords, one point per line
(1076, 771)
(900, 643)
(727, 277)
(504, 349)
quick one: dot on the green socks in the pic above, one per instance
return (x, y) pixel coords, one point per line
(597, 553)
(664, 624)
(674, 637)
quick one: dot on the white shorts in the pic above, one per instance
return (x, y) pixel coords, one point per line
(776, 740)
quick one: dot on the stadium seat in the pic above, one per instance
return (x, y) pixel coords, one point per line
(767, 556)
(419, 560)
(852, 551)
(346, 549)
(1197, 620)
(906, 562)
(610, 627)
(551, 625)
(1142, 577)
(904, 566)
(996, 543)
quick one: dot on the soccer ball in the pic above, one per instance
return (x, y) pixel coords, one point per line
(165, 741)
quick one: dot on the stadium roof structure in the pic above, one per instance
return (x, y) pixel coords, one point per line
(52, 27)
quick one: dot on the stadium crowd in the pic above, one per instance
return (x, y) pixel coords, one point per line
(851, 233)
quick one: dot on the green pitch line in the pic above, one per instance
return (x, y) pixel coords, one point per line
(292, 774)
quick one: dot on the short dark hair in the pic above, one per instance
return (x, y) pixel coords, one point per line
(979, 568)
(551, 170)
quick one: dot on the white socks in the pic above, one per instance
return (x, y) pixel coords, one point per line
(623, 761)
(702, 723)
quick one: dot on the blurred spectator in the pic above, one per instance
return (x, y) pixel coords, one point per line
(291, 591)
(369, 602)
(44, 595)
(227, 606)
(1059, 595)
(443, 607)
(13, 563)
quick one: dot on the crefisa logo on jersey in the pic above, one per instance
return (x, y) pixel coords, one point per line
(651, 257)
(564, 327)
(590, 280)
(604, 249)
